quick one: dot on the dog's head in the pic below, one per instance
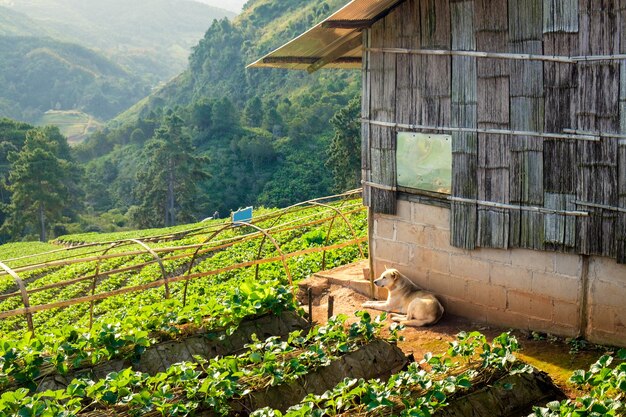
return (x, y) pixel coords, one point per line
(388, 279)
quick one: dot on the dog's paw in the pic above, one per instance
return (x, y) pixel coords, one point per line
(398, 317)
(368, 304)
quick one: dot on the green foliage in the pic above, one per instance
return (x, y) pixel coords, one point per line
(40, 74)
(205, 384)
(126, 334)
(145, 36)
(344, 155)
(168, 177)
(420, 390)
(605, 386)
(267, 133)
(41, 182)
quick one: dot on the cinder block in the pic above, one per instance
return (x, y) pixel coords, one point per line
(609, 293)
(465, 308)
(559, 287)
(419, 277)
(541, 307)
(440, 239)
(602, 318)
(566, 313)
(468, 267)
(385, 229)
(486, 295)
(493, 255)
(607, 268)
(412, 233)
(431, 216)
(404, 210)
(432, 260)
(531, 259)
(551, 327)
(447, 285)
(605, 338)
(507, 319)
(508, 276)
(567, 264)
(391, 251)
(518, 302)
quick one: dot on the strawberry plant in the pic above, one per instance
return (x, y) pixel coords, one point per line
(205, 384)
(605, 386)
(420, 390)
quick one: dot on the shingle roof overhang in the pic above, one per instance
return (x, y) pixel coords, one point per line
(334, 43)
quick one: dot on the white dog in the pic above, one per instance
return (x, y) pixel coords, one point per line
(416, 307)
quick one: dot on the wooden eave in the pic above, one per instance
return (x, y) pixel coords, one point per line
(334, 43)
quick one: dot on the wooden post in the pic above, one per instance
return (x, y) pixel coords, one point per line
(370, 232)
(309, 293)
(331, 305)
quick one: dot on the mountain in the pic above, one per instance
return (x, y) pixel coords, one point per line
(232, 5)
(265, 135)
(40, 74)
(217, 65)
(149, 37)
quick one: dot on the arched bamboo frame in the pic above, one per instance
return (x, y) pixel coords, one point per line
(265, 233)
(195, 256)
(332, 221)
(25, 299)
(158, 255)
(345, 219)
(113, 246)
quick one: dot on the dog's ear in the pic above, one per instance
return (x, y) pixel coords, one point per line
(394, 274)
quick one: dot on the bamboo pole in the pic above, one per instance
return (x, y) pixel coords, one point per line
(27, 313)
(522, 208)
(500, 55)
(158, 283)
(235, 239)
(417, 128)
(229, 242)
(600, 206)
(349, 193)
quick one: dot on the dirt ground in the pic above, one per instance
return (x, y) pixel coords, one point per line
(549, 354)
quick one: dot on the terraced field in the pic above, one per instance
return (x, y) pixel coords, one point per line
(202, 319)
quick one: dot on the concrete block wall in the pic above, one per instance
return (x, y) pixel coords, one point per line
(534, 290)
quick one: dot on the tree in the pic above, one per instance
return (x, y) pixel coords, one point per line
(40, 182)
(253, 112)
(167, 183)
(344, 154)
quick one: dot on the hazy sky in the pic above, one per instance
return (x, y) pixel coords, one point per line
(232, 5)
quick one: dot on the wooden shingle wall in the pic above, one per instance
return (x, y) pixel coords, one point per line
(582, 169)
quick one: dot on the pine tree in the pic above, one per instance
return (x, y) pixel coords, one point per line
(40, 182)
(344, 155)
(167, 184)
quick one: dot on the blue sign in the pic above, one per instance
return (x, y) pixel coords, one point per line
(243, 215)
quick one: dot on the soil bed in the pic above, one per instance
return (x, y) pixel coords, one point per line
(548, 354)
(159, 357)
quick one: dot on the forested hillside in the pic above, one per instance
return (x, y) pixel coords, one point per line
(146, 36)
(265, 136)
(216, 138)
(40, 74)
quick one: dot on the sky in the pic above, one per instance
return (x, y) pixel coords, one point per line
(232, 5)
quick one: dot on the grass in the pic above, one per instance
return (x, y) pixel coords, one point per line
(74, 124)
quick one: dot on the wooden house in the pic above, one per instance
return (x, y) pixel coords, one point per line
(494, 151)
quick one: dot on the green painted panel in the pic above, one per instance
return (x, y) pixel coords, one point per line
(424, 161)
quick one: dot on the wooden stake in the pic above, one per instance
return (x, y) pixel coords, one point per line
(309, 293)
(331, 305)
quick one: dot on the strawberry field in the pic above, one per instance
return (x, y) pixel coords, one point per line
(86, 304)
